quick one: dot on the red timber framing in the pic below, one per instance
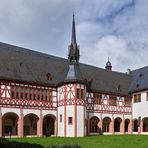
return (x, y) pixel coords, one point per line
(103, 103)
(27, 96)
(70, 92)
(71, 95)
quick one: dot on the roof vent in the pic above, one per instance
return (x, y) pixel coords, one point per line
(48, 76)
(137, 85)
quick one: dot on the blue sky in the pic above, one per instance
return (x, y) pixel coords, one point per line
(117, 29)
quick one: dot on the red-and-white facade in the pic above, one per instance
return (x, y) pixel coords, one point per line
(70, 109)
(67, 111)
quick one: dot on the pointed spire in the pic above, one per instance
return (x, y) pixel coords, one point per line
(73, 38)
(73, 54)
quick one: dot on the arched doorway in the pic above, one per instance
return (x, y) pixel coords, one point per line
(10, 124)
(145, 124)
(135, 125)
(49, 125)
(30, 124)
(127, 121)
(117, 123)
(106, 124)
(94, 125)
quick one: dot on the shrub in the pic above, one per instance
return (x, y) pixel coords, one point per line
(12, 144)
(65, 146)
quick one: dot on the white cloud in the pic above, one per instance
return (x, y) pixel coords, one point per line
(112, 28)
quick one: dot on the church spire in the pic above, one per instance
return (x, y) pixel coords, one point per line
(73, 38)
(73, 54)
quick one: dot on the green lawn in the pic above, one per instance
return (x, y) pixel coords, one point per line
(112, 141)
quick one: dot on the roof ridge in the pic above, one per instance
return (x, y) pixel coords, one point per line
(28, 51)
(139, 68)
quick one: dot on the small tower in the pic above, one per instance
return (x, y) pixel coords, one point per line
(108, 65)
(71, 95)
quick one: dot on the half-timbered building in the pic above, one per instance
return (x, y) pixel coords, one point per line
(42, 95)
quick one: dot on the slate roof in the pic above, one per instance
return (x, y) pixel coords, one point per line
(20, 64)
(74, 74)
(140, 80)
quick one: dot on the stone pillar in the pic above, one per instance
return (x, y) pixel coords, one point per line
(141, 126)
(0, 123)
(100, 124)
(21, 124)
(55, 128)
(40, 125)
(111, 127)
(88, 124)
(130, 128)
(122, 126)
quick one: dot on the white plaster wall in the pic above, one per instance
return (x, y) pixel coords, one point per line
(94, 114)
(106, 115)
(49, 112)
(80, 121)
(127, 116)
(70, 128)
(140, 108)
(61, 124)
(31, 111)
(7, 110)
(109, 115)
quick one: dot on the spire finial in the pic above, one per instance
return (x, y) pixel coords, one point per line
(73, 38)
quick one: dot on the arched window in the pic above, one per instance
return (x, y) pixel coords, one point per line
(94, 125)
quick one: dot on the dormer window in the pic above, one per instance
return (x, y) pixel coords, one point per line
(48, 76)
(140, 75)
(119, 87)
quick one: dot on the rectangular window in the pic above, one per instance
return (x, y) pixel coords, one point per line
(112, 100)
(26, 93)
(12, 91)
(97, 98)
(137, 98)
(127, 102)
(30, 94)
(49, 94)
(80, 93)
(17, 93)
(60, 118)
(147, 96)
(69, 120)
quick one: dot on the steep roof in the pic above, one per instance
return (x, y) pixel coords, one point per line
(140, 80)
(20, 64)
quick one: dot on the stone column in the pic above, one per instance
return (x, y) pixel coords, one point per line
(122, 126)
(141, 126)
(0, 123)
(100, 124)
(111, 127)
(55, 128)
(130, 128)
(88, 124)
(40, 125)
(21, 124)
